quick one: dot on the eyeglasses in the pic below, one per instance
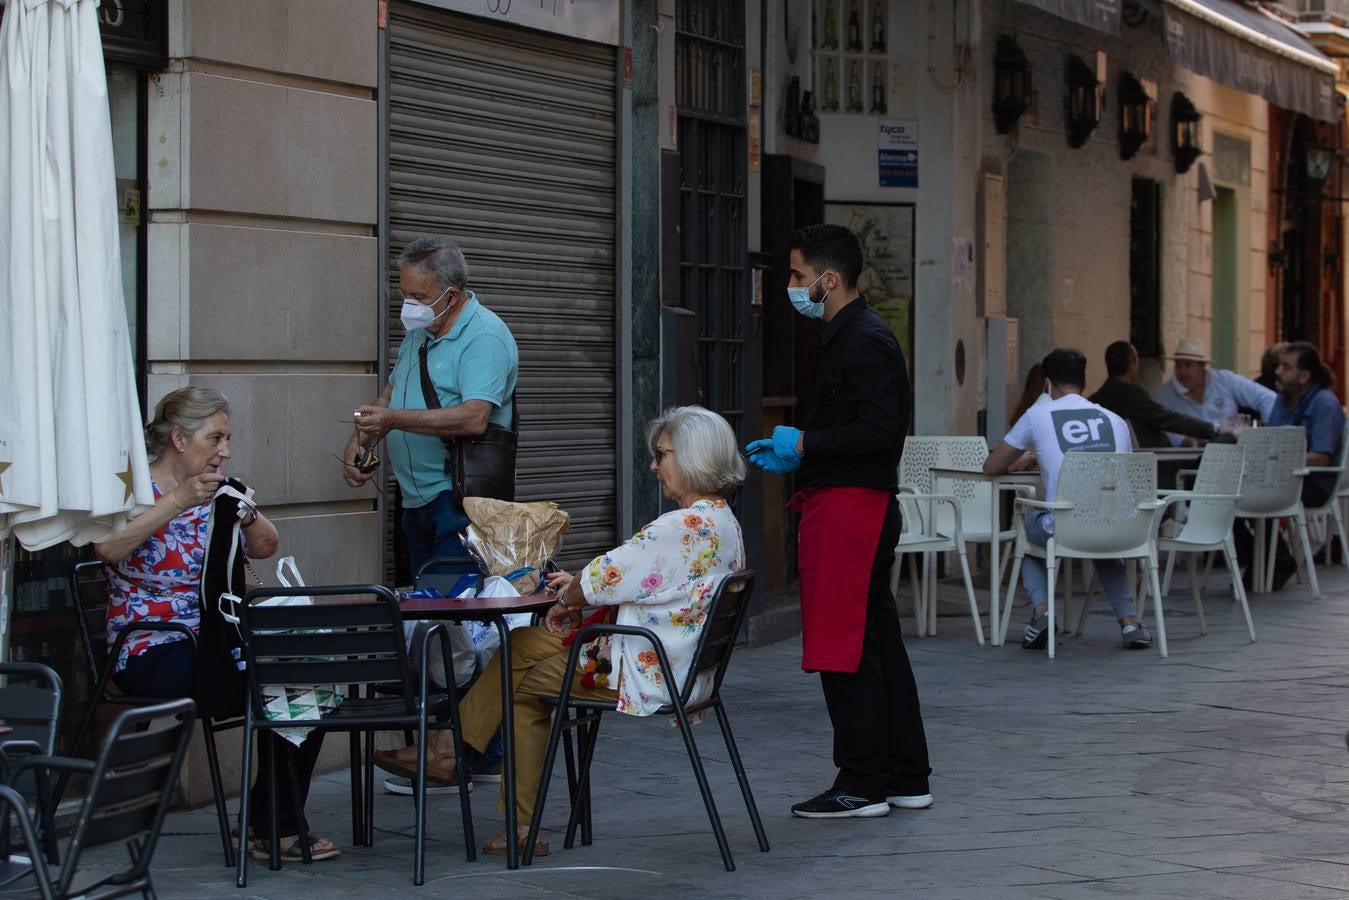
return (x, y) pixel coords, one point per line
(659, 455)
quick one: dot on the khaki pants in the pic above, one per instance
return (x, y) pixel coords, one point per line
(538, 662)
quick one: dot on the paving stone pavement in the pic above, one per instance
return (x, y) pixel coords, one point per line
(1220, 772)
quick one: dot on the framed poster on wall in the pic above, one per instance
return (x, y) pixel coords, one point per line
(886, 230)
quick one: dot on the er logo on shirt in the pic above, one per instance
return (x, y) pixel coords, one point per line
(1083, 429)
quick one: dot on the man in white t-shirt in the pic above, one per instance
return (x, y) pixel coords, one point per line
(1068, 423)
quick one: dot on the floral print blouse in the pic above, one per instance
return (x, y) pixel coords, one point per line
(661, 578)
(159, 581)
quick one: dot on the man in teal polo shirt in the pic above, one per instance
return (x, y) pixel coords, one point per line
(473, 363)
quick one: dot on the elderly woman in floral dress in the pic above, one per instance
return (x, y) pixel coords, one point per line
(661, 578)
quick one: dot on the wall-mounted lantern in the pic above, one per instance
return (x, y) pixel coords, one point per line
(1135, 115)
(1084, 101)
(1011, 84)
(1186, 131)
(1319, 160)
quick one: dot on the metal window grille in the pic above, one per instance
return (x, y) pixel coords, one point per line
(713, 171)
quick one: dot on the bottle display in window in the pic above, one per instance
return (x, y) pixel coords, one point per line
(855, 25)
(855, 103)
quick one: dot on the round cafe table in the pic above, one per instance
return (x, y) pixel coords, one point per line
(494, 610)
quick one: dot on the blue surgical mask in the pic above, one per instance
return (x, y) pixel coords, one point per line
(802, 302)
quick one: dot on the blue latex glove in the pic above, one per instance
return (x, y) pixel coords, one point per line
(762, 455)
(785, 438)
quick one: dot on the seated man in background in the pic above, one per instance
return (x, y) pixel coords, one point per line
(1214, 395)
(1126, 398)
(1305, 399)
(1068, 423)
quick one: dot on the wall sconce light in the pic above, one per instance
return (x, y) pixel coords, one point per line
(1084, 101)
(1011, 84)
(1186, 145)
(1319, 160)
(1135, 115)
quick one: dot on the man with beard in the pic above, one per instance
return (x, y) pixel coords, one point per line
(1305, 399)
(848, 456)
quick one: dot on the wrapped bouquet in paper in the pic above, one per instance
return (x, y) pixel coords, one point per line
(506, 537)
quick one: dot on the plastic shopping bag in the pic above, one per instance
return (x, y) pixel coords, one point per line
(294, 579)
(463, 653)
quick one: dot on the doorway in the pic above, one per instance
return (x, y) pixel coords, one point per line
(1225, 301)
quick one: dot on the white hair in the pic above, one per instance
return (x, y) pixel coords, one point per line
(705, 449)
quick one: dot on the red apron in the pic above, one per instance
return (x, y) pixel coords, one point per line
(836, 547)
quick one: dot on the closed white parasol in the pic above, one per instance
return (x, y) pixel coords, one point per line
(72, 454)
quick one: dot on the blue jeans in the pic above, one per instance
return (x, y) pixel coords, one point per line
(433, 530)
(1039, 529)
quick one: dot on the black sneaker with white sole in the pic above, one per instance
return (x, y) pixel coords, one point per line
(1136, 637)
(1036, 635)
(836, 804)
(910, 801)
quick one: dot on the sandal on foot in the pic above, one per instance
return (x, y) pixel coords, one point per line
(497, 846)
(320, 848)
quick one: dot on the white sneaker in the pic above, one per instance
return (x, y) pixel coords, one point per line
(397, 784)
(912, 801)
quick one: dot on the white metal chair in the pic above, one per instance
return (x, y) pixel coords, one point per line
(1105, 507)
(968, 514)
(917, 537)
(1212, 505)
(1271, 488)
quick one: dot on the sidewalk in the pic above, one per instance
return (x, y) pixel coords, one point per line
(1220, 772)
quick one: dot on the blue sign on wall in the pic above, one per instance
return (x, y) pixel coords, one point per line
(897, 153)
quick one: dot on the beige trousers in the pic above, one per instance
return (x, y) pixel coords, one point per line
(538, 662)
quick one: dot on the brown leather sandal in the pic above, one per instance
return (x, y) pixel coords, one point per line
(496, 846)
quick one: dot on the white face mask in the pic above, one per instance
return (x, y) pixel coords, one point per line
(416, 314)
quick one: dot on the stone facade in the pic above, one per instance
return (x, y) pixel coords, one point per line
(263, 272)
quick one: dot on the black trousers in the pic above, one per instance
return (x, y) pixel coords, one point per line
(165, 670)
(879, 744)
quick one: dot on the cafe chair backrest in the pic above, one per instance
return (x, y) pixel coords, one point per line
(1220, 473)
(1272, 456)
(346, 642)
(1105, 490)
(725, 612)
(922, 453)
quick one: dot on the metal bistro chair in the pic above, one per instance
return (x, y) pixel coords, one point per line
(1271, 488)
(1212, 507)
(1105, 507)
(959, 512)
(89, 587)
(131, 786)
(725, 612)
(30, 706)
(347, 642)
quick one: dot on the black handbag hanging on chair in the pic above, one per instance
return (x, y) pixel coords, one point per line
(219, 680)
(482, 466)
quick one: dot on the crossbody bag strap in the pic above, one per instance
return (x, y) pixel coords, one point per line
(433, 401)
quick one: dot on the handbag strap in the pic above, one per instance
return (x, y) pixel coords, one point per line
(433, 401)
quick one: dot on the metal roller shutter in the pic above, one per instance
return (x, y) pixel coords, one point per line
(503, 139)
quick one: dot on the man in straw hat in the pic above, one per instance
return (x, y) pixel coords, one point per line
(1213, 395)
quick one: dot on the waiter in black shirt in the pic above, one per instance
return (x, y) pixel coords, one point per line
(848, 456)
